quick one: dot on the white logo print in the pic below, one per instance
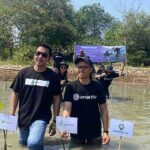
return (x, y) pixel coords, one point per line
(35, 82)
(76, 97)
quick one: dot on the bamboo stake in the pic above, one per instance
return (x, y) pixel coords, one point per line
(5, 139)
(120, 143)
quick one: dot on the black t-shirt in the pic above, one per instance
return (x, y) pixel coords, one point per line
(63, 77)
(100, 71)
(36, 90)
(106, 80)
(85, 100)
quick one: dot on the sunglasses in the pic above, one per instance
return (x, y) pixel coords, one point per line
(83, 67)
(63, 67)
(43, 54)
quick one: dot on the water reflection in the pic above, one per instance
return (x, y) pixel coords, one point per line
(133, 106)
(128, 101)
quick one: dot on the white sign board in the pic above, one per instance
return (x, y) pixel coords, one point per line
(8, 122)
(66, 124)
(121, 128)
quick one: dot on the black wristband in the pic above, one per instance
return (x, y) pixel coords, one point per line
(54, 121)
(106, 131)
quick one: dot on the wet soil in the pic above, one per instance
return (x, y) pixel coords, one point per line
(132, 74)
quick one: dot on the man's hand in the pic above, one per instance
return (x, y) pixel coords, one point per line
(63, 82)
(98, 76)
(121, 74)
(64, 135)
(52, 128)
(105, 138)
(103, 74)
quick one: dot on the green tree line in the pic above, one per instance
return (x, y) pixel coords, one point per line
(26, 23)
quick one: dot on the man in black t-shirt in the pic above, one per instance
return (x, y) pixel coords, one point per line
(80, 54)
(106, 76)
(85, 100)
(36, 88)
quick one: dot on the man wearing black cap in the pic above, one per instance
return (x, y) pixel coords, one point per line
(85, 100)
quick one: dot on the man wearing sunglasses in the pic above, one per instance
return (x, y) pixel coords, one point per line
(35, 88)
(85, 99)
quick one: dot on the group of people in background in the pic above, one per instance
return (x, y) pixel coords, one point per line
(36, 88)
(105, 76)
(60, 67)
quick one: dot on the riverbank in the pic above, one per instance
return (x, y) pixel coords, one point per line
(136, 74)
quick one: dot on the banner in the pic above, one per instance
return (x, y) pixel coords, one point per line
(103, 53)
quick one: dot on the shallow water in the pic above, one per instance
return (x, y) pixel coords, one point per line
(128, 101)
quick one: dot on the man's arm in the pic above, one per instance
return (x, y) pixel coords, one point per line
(98, 76)
(66, 113)
(67, 109)
(105, 120)
(56, 110)
(56, 106)
(13, 103)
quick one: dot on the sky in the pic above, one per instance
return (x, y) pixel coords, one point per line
(115, 7)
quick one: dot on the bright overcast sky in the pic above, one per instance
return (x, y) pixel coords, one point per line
(114, 7)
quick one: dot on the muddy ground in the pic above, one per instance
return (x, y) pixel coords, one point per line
(132, 74)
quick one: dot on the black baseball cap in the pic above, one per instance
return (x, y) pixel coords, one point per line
(110, 68)
(63, 63)
(85, 59)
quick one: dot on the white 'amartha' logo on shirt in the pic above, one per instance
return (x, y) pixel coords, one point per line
(37, 82)
(88, 97)
(76, 97)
